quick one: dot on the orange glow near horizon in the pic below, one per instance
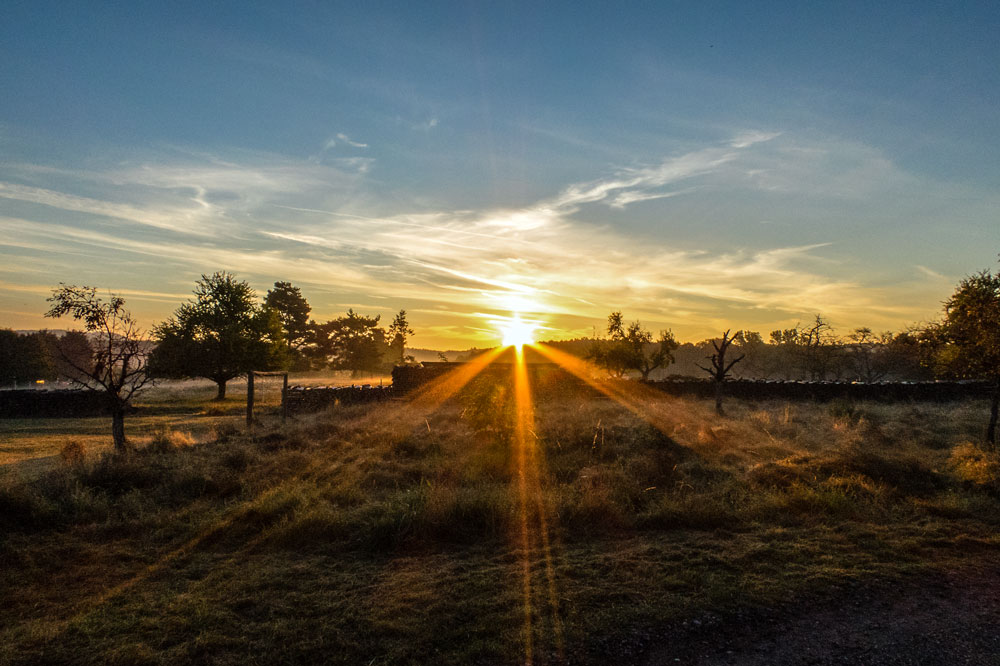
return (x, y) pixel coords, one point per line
(517, 332)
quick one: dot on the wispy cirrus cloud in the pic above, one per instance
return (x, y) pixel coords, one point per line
(346, 139)
(170, 220)
(316, 225)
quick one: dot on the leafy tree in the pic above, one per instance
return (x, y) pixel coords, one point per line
(399, 331)
(293, 310)
(969, 337)
(910, 354)
(352, 342)
(222, 334)
(119, 362)
(632, 348)
(721, 367)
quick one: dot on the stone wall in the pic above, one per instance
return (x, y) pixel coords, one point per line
(300, 399)
(70, 403)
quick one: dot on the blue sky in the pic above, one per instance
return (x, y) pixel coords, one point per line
(698, 166)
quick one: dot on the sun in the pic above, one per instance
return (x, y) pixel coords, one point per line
(517, 333)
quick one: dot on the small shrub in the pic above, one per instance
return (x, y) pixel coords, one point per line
(975, 466)
(73, 453)
(166, 440)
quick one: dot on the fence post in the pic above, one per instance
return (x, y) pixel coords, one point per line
(250, 399)
(284, 398)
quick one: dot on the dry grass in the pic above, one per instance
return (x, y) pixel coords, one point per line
(29, 447)
(388, 535)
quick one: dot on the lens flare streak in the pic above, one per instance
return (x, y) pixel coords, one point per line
(532, 501)
(648, 404)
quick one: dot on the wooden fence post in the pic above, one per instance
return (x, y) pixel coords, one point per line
(250, 399)
(284, 398)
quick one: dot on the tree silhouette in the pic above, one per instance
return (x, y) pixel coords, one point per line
(293, 310)
(222, 334)
(399, 331)
(720, 367)
(632, 348)
(119, 366)
(352, 342)
(970, 333)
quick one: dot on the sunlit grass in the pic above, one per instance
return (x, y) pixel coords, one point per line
(425, 531)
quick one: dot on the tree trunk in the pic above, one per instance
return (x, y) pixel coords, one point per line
(718, 398)
(221, 395)
(991, 429)
(118, 428)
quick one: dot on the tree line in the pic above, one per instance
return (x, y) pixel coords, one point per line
(225, 331)
(804, 352)
(963, 344)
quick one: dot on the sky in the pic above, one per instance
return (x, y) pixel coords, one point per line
(698, 166)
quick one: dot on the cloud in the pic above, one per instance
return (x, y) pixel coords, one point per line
(318, 226)
(172, 220)
(346, 139)
(633, 184)
(626, 198)
(931, 273)
(750, 137)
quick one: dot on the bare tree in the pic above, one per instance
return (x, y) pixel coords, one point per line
(118, 366)
(869, 354)
(819, 349)
(720, 368)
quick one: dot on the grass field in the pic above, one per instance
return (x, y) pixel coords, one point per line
(31, 446)
(479, 529)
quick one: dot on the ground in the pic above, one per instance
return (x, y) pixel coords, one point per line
(442, 529)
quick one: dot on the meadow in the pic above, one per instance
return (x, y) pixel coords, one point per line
(472, 528)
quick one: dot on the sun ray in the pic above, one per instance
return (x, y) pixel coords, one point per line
(531, 495)
(650, 405)
(436, 392)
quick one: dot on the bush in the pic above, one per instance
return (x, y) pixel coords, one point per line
(73, 453)
(976, 467)
(166, 440)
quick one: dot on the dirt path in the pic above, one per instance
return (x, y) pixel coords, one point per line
(950, 619)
